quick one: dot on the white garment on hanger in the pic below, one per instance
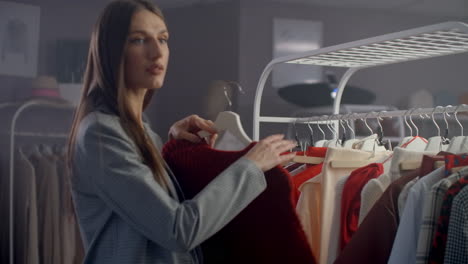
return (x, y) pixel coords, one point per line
(334, 245)
(435, 144)
(324, 195)
(406, 238)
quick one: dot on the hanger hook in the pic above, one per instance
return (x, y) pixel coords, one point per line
(445, 119)
(239, 87)
(227, 96)
(321, 130)
(330, 127)
(367, 125)
(433, 120)
(226, 93)
(343, 136)
(406, 122)
(311, 134)
(411, 120)
(342, 125)
(296, 135)
(456, 118)
(349, 126)
(380, 119)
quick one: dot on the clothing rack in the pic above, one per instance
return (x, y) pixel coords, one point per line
(424, 42)
(353, 116)
(13, 134)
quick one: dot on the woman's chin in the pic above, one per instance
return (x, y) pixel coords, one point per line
(156, 86)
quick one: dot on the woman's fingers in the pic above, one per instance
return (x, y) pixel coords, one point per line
(212, 140)
(273, 138)
(285, 146)
(185, 128)
(189, 136)
(267, 153)
(203, 124)
(287, 157)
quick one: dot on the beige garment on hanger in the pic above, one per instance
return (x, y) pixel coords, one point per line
(316, 203)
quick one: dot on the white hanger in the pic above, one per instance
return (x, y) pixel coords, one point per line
(435, 143)
(458, 143)
(321, 143)
(335, 141)
(406, 139)
(352, 163)
(306, 159)
(311, 135)
(229, 121)
(370, 143)
(382, 131)
(416, 143)
(413, 143)
(350, 142)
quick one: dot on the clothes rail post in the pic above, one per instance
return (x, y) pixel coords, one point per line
(13, 134)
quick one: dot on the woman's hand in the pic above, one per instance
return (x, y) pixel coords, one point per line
(187, 128)
(266, 153)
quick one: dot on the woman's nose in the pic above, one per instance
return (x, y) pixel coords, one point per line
(155, 50)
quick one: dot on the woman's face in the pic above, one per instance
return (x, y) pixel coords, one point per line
(146, 51)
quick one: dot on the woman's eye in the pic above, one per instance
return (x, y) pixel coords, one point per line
(137, 40)
(163, 40)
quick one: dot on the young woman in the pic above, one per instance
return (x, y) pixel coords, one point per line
(129, 206)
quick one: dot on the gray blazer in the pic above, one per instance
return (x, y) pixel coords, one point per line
(124, 214)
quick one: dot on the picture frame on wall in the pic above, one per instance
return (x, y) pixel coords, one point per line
(19, 39)
(294, 36)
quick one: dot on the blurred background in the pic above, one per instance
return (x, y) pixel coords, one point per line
(234, 40)
(218, 48)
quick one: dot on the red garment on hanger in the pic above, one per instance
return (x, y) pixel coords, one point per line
(351, 199)
(266, 231)
(373, 241)
(310, 172)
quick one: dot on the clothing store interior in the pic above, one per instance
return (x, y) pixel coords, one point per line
(375, 93)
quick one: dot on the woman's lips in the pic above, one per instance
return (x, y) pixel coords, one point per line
(155, 69)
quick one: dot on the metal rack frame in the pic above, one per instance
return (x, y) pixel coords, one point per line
(414, 44)
(13, 133)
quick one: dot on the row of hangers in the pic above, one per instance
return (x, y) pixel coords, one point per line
(230, 121)
(375, 142)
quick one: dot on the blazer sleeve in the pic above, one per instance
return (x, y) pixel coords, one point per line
(107, 156)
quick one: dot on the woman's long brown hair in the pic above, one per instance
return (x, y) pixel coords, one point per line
(104, 81)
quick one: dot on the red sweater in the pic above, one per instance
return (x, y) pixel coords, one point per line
(267, 231)
(351, 199)
(309, 173)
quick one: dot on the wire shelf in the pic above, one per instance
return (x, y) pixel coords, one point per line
(419, 43)
(435, 42)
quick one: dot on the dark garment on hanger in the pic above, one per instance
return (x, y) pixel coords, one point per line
(372, 243)
(439, 242)
(437, 251)
(266, 231)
